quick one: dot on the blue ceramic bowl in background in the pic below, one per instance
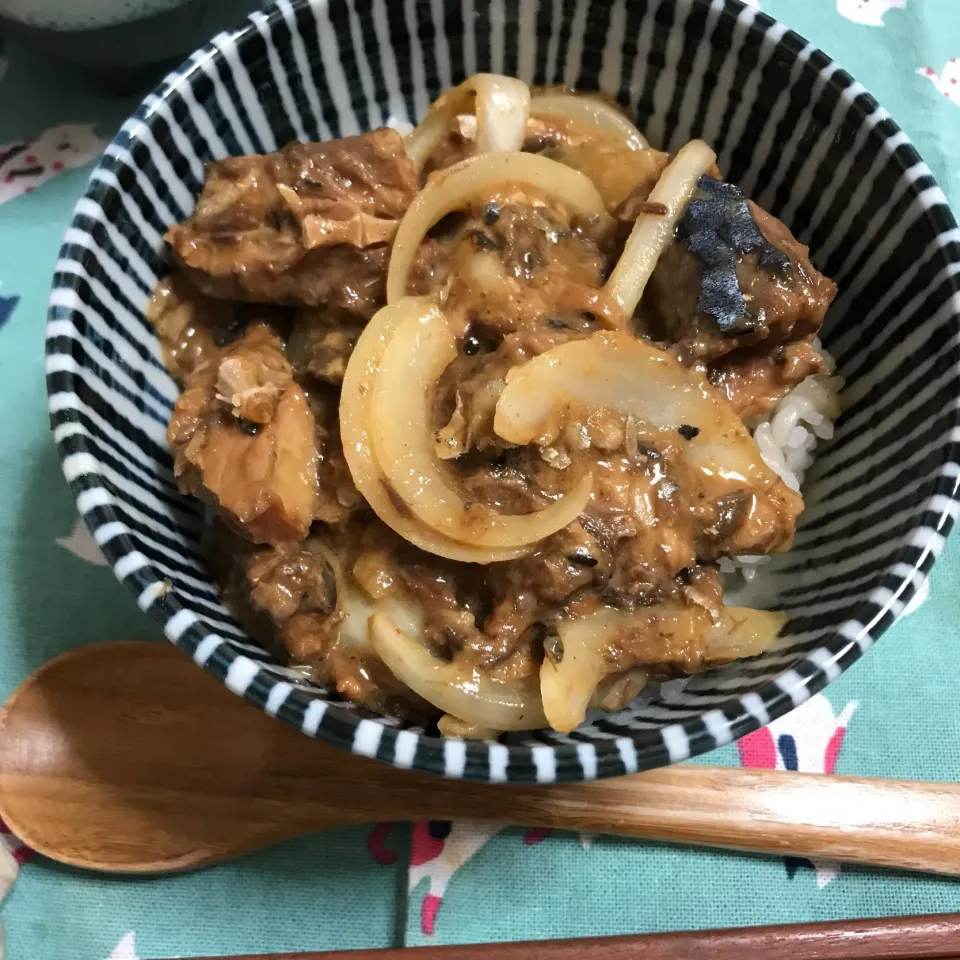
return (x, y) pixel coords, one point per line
(118, 34)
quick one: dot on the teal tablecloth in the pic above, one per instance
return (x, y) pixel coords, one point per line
(894, 714)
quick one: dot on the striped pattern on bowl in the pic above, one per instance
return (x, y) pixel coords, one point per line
(797, 133)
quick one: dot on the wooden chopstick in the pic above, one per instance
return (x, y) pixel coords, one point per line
(935, 937)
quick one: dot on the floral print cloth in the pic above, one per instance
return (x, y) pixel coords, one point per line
(437, 882)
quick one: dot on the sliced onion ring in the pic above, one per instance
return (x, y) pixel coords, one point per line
(588, 111)
(613, 370)
(567, 684)
(420, 350)
(502, 105)
(358, 383)
(743, 632)
(454, 187)
(616, 691)
(451, 726)
(470, 695)
(353, 606)
(653, 233)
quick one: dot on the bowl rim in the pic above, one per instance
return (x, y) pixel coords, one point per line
(361, 732)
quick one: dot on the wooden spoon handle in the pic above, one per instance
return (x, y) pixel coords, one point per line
(888, 823)
(897, 938)
(126, 757)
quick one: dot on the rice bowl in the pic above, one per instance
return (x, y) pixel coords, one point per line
(652, 731)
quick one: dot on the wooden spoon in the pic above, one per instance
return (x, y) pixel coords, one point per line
(126, 757)
(934, 937)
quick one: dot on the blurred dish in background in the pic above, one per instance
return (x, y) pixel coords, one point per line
(118, 34)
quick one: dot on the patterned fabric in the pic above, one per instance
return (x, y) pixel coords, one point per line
(893, 714)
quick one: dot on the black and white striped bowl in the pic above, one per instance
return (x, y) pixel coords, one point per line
(795, 131)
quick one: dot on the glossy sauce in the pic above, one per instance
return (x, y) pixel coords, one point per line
(516, 276)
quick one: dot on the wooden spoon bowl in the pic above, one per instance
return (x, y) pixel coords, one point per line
(125, 757)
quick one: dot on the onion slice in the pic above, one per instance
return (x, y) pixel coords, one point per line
(618, 690)
(569, 679)
(451, 726)
(744, 632)
(473, 697)
(502, 106)
(421, 348)
(653, 233)
(567, 682)
(592, 112)
(369, 478)
(456, 186)
(613, 370)
(354, 606)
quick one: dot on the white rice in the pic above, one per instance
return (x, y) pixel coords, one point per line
(787, 439)
(403, 127)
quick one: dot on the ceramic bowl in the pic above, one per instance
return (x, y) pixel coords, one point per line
(796, 132)
(118, 37)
